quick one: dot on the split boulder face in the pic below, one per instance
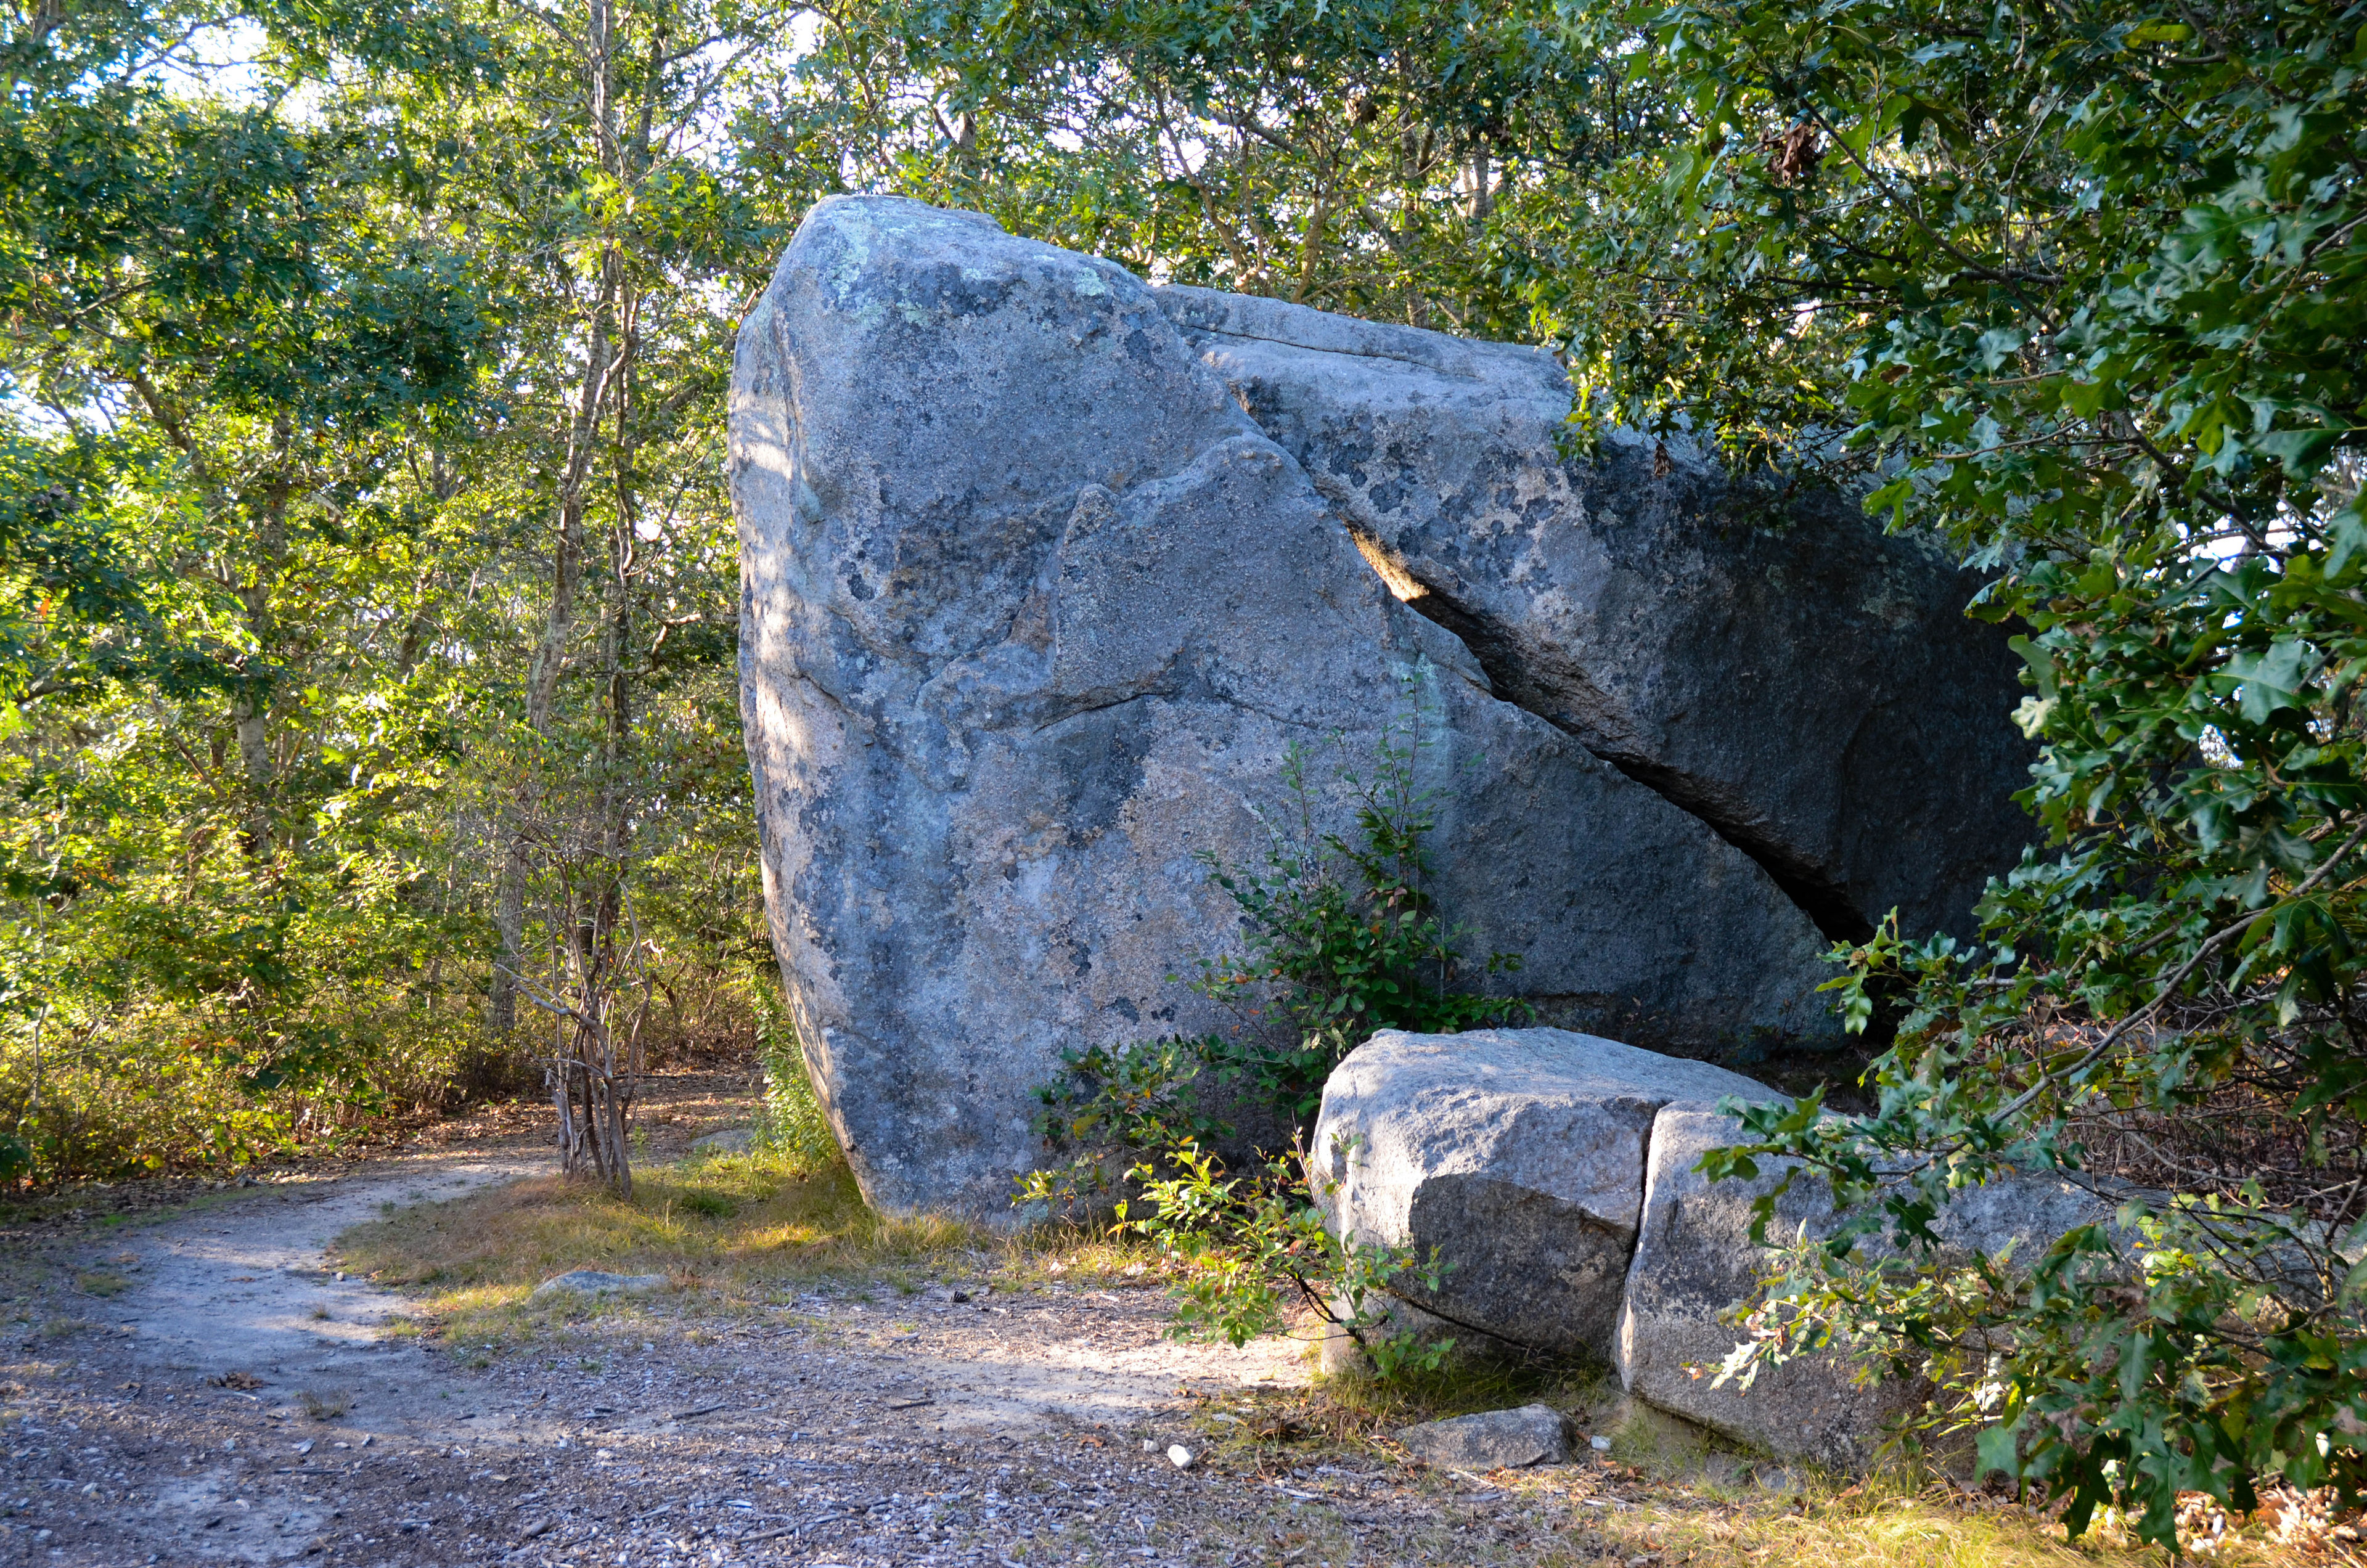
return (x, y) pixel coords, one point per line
(1806, 683)
(1695, 1262)
(1518, 1154)
(1031, 610)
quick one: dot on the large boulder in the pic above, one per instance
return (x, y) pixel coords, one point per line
(1031, 610)
(1695, 1262)
(1794, 676)
(1518, 1154)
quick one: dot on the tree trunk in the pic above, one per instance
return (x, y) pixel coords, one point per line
(551, 653)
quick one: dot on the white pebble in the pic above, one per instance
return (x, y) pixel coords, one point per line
(1180, 1457)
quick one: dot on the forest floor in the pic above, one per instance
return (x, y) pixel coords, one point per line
(347, 1364)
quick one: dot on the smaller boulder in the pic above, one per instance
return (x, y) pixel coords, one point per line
(1495, 1439)
(1518, 1154)
(591, 1283)
(730, 1141)
(1695, 1263)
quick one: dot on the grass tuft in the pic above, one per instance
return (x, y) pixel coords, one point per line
(324, 1406)
(1088, 1256)
(1463, 1387)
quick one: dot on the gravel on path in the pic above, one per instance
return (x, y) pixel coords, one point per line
(243, 1402)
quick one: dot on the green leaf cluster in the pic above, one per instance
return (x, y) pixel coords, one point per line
(298, 305)
(1250, 1248)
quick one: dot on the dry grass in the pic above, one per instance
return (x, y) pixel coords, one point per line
(1082, 1255)
(1724, 1526)
(1704, 1508)
(740, 1230)
(1671, 1496)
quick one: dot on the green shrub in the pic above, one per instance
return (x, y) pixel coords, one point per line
(791, 1120)
(1250, 1247)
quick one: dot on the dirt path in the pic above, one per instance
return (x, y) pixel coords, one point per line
(247, 1289)
(242, 1403)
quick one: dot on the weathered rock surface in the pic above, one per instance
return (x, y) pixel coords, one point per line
(1808, 685)
(1695, 1260)
(1493, 1439)
(1031, 611)
(593, 1282)
(1519, 1153)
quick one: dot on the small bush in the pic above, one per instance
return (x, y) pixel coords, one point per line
(708, 1204)
(791, 1124)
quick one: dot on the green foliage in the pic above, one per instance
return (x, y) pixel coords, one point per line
(1340, 933)
(1250, 1247)
(289, 379)
(1353, 155)
(2078, 288)
(1111, 1105)
(792, 1121)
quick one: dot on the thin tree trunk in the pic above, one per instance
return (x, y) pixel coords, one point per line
(509, 930)
(549, 660)
(594, 1081)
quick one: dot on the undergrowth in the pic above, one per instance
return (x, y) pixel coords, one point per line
(1663, 1495)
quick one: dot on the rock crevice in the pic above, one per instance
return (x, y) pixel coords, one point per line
(1594, 1233)
(1790, 676)
(1571, 701)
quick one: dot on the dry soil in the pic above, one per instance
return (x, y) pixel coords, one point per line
(198, 1385)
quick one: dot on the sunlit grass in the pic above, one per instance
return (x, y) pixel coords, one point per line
(739, 1231)
(1868, 1527)
(1094, 1257)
